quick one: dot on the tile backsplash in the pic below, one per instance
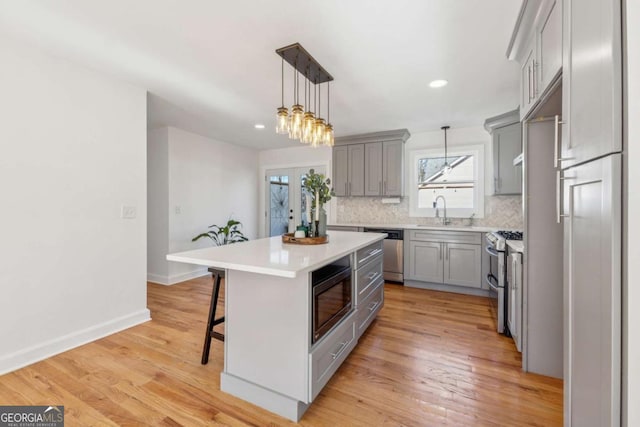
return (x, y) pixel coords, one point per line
(500, 211)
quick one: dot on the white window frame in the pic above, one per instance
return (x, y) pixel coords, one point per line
(477, 150)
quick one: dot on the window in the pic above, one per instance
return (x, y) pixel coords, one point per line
(462, 186)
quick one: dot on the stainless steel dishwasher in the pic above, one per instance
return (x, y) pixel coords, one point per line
(393, 253)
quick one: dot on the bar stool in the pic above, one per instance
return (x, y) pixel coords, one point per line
(217, 275)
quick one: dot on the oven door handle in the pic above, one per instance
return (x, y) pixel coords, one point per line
(490, 280)
(491, 251)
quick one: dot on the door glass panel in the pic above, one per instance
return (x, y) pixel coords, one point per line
(279, 204)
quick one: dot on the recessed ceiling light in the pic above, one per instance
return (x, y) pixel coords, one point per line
(258, 126)
(438, 83)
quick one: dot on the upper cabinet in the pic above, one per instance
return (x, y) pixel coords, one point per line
(536, 44)
(348, 170)
(370, 164)
(592, 86)
(506, 135)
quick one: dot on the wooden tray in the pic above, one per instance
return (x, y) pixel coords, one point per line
(289, 238)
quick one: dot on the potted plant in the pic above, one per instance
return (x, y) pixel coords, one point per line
(224, 235)
(318, 187)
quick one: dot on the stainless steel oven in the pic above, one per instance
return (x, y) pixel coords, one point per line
(331, 296)
(496, 279)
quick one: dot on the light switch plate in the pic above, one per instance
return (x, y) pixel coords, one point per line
(128, 212)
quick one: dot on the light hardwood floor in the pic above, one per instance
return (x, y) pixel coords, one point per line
(431, 358)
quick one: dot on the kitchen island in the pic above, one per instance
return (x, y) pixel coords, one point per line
(271, 355)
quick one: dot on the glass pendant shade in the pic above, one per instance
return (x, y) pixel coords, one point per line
(328, 135)
(318, 137)
(295, 125)
(308, 126)
(282, 121)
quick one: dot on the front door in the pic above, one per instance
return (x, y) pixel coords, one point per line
(285, 199)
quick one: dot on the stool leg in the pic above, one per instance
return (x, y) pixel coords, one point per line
(211, 321)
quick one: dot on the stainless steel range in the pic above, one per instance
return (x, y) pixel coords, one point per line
(497, 276)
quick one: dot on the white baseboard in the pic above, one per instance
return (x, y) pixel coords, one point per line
(36, 353)
(172, 280)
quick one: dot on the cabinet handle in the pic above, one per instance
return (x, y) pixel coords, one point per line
(535, 82)
(335, 355)
(556, 143)
(384, 188)
(559, 214)
(446, 251)
(372, 275)
(513, 273)
(440, 251)
(380, 187)
(349, 188)
(529, 81)
(346, 189)
(373, 305)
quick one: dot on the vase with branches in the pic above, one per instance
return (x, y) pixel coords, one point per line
(319, 188)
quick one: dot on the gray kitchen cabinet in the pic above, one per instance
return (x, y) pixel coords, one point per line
(370, 164)
(550, 40)
(463, 265)
(348, 170)
(373, 169)
(425, 262)
(450, 258)
(536, 43)
(592, 83)
(356, 170)
(592, 303)
(393, 168)
(341, 170)
(506, 135)
(514, 280)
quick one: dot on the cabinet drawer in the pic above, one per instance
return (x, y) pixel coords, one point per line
(470, 237)
(329, 355)
(369, 308)
(367, 253)
(367, 277)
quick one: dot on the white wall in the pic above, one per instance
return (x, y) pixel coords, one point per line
(301, 156)
(73, 151)
(200, 182)
(157, 204)
(632, 184)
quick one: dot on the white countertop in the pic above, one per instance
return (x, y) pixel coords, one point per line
(272, 257)
(516, 245)
(423, 227)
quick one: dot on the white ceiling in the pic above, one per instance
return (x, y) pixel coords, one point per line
(211, 68)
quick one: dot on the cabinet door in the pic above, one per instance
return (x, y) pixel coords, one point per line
(592, 80)
(463, 264)
(550, 46)
(373, 169)
(514, 276)
(356, 170)
(507, 145)
(341, 170)
(592, 293)
(425, 261)
(393, 168)
(527, 82)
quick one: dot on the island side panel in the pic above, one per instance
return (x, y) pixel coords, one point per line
(267, 331)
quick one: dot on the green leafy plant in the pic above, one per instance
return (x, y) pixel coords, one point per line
(316, 182)
(224, 235)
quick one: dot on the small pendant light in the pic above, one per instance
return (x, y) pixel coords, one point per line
(446, 168)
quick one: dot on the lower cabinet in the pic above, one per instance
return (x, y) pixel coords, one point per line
(369, 308)
(452, 258)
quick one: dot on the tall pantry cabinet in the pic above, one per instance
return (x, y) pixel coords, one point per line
(591, 176)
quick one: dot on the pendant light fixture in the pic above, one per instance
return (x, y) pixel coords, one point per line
(307, 127)
(282, 118)
(446, 168)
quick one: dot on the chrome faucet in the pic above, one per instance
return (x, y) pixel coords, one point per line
(444, 220)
